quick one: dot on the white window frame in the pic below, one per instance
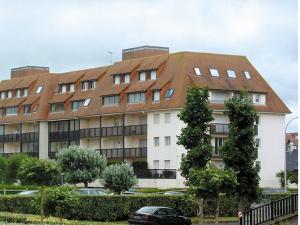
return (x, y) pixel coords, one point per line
(2, 95)
(156, 141)
(18, 93)
(214, 72)
(169, 93)
(156, 118)
(153, 75)
(167, 117)
(136, 97)
(167, 140)
(247, 75)
(72, 87)
(94, 84)
(197, 71)
(156, 164)
(231, 73)
(142, 76)
(9, 94)
(117, 79)
(86, 102)
(14, 111)
(110, 100)
(127, 78)
(39, 89)
(63, 88)
(156, 96)
(85, 85)
(25, 92)
(167, 164)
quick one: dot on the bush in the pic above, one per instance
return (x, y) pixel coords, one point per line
(3, 169)
(13, 164)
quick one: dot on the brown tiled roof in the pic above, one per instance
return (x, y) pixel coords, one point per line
(70, 77)
(14, 102)
(94, 74)
(140, 86)
(80, 95)
(59, 97)
(113, 89)
(31, 100)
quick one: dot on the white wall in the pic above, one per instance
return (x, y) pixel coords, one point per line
(43, 142)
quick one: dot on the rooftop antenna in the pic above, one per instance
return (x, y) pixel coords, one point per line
(111, 56)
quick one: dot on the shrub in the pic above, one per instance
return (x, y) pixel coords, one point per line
(81, 165)
(119, 177)
(3, 169)
(13, 164)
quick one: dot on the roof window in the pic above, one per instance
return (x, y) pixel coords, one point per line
(214, 72)
(231, 74)
(169, 93)
(86, 102)
(197, 71)
(247, 75)
(39, 89)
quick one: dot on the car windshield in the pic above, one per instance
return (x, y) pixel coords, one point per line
(148, 210)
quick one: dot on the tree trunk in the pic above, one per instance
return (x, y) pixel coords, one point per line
(42, 205)
(217, 209)
(86, 184)
(200, 211)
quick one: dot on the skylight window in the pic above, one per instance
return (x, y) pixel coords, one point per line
(231, 74)
(247, 75)
(86, 102)
(214, 72)
(169, 93)
(197, 71)
(39, 89)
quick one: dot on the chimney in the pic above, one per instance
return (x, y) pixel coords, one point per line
(143, 51)
(27, 71)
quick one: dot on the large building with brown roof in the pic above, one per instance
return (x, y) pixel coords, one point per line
(128, 110)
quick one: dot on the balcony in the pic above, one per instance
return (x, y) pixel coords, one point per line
(156, 174)
(136, 130)
(64, 135)
(31, 136)
(90, 133)
(112, 131)
(117, 153)
(31, 154)
(219, 128)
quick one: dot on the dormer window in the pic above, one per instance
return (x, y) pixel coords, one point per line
(10, 111)
(137, 97)
(197, 71)
(142, 76)
(214, 72)
(64, 88)
(117, 79)
(21, 92)
(76, 105)
(3, 95)
(57, 107)
(85, 85)
(27, 109)
(72, 87)
(156, 96)
(39, 89)
(169, 93)
(110, 100)
(91, 84)
(127, 78)
(153, 75)
(231, 74)
(247, 75)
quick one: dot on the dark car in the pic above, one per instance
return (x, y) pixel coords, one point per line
(156, 215)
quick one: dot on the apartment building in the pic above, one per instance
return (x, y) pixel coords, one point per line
(128, 111)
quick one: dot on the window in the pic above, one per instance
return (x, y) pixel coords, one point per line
(57, 107)
(11, 110)
(25, 92)
(256, 122)
(169, 93)
(156, 118)
(153, 75)
(2, 95)
(136, 97)
(257, 143)
(21, 92)
(214, 72)
(231, 74)
(76, 105)
(197, 71)
(27, 109)
(156, 164)
(9, 94)
(167, 164)
(35, 108)
(219, 142)
(259, 99)
(110, 100)
(156, 141)
(39, 89)
(142, 76)
(167, 117)
(247, 75)
(18, 93)
(93, 83)
(167, 140)
(127, 78)
(86, 102)
(156, 96)
(218, 96)
(117, 79)
(72, 87)
(85, 85)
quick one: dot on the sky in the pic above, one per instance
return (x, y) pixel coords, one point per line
(74, 34)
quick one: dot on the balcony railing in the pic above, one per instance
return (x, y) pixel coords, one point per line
(156, 174)
(128, 152)
(24, 137)
(32, 154)
(64, 135)
(114, 131)
(31, 136)
(219, 128)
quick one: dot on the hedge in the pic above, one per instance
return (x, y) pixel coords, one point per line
(111, 208)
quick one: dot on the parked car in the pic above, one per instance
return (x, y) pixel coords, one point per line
(156, 215)
(91, 191)
(31, 192)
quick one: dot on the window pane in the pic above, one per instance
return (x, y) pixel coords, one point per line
(153, 75)
(142, 76)
(127, 78)
(231, 73)
(214, 72)
(197, 71)
(117, 79)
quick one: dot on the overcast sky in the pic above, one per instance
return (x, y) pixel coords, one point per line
(72, 34)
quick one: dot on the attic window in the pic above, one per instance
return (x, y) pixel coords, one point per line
(197, 71)
(117, 79)
(153, 75)
(39, 89)
(247, 75)
(214, 72)
(169, 93)
(127, 78)
(231, 74)
(142, 76)
(86, 102)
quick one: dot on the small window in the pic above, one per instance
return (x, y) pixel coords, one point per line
(85, 85)
(167, 164)
(35, 108)
(18, 93)
(156, 96)
(247, 75)
(72, 87)
(117, 79)
(153, 75)
(257, 143)
(156, 118)
(9, 94)
(63, 88)
(39, 89)
(167, 117)
(86, 102)
(94, 83)
(127, 78)
(167, 140)
(27, 109)
(214, 72)
(110, 100)
(156, 164)
(11, 111)
(156, 141)
(142, 76)
(76, 105)
(231, 73)
(57, 107)
(2, 95)
(138, 97)
(256, 98)
(197, 71)
(25, 92)
(169, 93)
(256, 122)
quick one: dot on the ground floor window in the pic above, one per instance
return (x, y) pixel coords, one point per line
(30, 146)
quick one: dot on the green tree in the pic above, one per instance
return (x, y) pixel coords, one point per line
(81, 164)
(39, 172)
(60, 201)
(13, 165)
(196, 138)
(239, 152)
(280, 176)
(3, 169)
(119, 177)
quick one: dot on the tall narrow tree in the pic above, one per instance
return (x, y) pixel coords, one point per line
(196, 138)
(239, 152)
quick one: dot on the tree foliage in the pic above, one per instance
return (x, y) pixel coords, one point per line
(119, 177)
(81, 165)
(13, 164)
(239, 152)
(3, 170)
